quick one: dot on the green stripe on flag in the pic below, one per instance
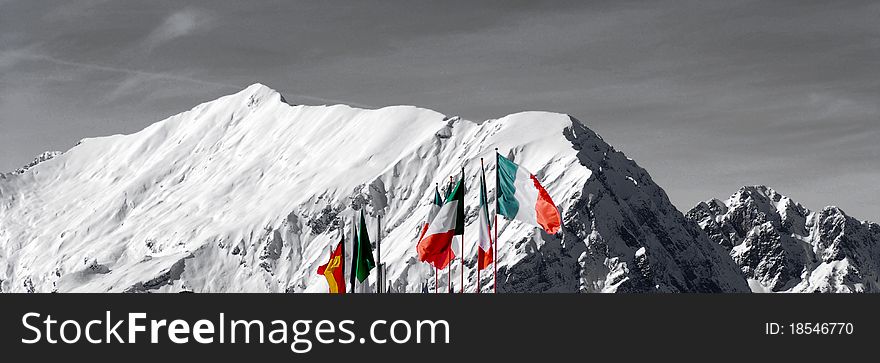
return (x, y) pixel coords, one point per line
(458, 195)
(506, 174)
(437, 199)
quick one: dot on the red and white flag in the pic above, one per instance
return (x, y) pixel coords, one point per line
(484, 236)
(435, 208)
(435, 246)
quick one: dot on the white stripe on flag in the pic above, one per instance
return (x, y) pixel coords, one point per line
(526, 195)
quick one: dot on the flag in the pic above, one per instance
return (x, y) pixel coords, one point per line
(484, 239)
(334, 268)
(364, 262)
(458, 195)
(521, 197)
(436, 245)
(435, 207)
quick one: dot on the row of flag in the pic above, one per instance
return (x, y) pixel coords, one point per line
(519, 195)
(361, 261)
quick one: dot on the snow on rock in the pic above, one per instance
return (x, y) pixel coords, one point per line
(45, 156)
(247, 194)
(783, 246)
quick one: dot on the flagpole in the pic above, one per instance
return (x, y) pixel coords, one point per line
(495, 245)
(354, 250)
(436, 271)
(381, 278)
(478, 272)
(342, 242)
(461, 261)
(449, 251)
(449, 273)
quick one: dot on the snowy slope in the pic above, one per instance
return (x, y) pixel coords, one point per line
(247, 193)
(782, 246)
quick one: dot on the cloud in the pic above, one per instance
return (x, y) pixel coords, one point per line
(179, 24)
(9, 58)
(134, 72)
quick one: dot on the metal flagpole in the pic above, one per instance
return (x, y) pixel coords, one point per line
(461, 259)
(342, 242)
(354, 250)
(436, 271)
(449, 272)
(380, 281)
(495, 245)
(449, 251)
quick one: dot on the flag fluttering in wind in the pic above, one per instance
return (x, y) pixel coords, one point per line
(435, 247)
(334, 269)
(436, 204)
(484, 239)
(521, 197)
(362, 258)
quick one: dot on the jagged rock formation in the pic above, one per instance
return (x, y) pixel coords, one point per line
(782, 246)
(46, 155)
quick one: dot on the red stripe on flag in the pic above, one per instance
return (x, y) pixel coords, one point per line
(484, 258)
(547, 213)
(424, 229)
(436, 249)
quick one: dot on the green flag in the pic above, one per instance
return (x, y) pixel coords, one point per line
(364, 262)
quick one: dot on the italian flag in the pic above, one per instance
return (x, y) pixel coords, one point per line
(484, 242)
(521, 197)
(436, 204)
(334, 269)
(435, 247)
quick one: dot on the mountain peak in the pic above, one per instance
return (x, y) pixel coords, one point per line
(757, 191)
(258, 93)
(258, 88)
(782, 246)
(246, 193)
(833, 209)
(760, 189)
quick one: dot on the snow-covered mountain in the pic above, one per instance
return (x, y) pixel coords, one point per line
(782, 246)
(248, 193)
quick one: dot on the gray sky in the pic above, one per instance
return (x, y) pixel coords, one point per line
(706, 95)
